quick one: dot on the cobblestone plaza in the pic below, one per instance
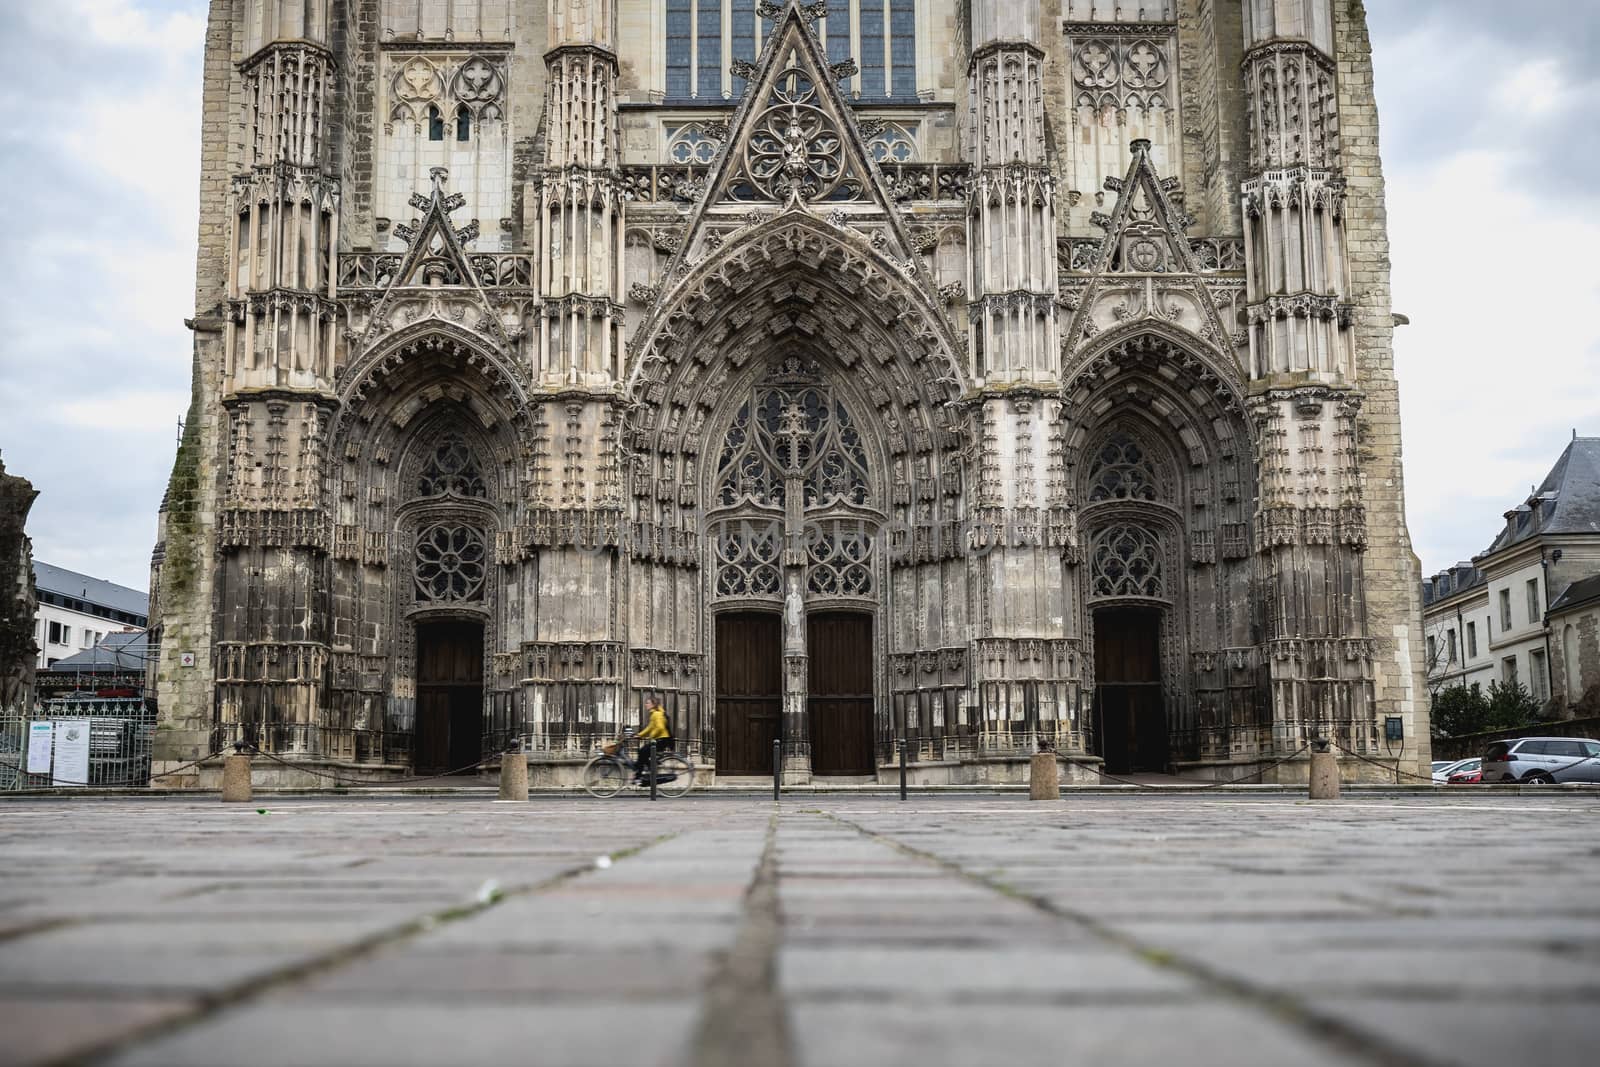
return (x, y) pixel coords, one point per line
(831, 930)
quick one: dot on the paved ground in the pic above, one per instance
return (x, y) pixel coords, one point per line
(840, 931)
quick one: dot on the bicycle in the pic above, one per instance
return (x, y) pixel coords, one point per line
(610, 771)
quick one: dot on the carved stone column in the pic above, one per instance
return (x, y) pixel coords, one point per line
(271, 657)
(1310, 527)
(577, 372)
(1024, 666)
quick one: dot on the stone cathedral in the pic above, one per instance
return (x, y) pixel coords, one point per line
(961, 375)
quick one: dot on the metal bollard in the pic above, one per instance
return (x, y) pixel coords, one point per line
(236, 778)
(651, 762)
(777, 767)
(1044, 775)
(1324, 778)
(514, 772)
(902, 744)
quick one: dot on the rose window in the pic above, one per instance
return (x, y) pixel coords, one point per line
(450, 562)
(795, 149)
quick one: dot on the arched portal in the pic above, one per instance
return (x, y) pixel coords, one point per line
(423, 487)
(795, 468)
(1164, 473)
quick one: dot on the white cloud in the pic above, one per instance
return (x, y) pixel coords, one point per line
(97, 267)
(1502, 358)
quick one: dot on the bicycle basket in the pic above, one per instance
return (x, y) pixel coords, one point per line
(611, 749)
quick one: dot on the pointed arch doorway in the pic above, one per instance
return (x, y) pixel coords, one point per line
(795, 577)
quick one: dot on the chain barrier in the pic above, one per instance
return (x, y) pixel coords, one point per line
(1198, 788)
(1396, 771)
(252, 750)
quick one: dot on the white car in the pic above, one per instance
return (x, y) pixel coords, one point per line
(1444, 768)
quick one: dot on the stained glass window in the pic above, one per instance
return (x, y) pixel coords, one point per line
(697, 56)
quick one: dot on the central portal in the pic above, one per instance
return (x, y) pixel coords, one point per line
(1129, 715)
(839, 702)
(449, 734)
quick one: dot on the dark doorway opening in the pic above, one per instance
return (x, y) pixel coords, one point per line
(749, 690)
(449, 733)
(839, 648)
(1129, 715)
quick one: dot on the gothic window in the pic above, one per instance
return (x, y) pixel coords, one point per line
(839, 553)
(748, 558)
(1124, 469)
(691, 144)
(794, 147)
(435, 124)
(452, 470)
(698, 58)
(450, 563)
(1126, 562)
(896, 144)
(792, 432)
(463, 124)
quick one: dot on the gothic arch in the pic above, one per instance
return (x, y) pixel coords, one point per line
(795, 298)
(1168, 396)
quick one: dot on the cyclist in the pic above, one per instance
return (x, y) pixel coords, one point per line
(655, 730)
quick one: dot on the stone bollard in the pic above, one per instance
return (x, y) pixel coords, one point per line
(1044, 777)
(236, 779)
(514, 773)
(1324, 772)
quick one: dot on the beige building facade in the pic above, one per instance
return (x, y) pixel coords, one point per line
(1525, 609)
(960, 377)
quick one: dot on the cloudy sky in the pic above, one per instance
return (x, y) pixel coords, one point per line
(1489, 146)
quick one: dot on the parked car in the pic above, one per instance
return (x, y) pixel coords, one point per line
(1466, 775)
(1444, 768)
(1542, 760)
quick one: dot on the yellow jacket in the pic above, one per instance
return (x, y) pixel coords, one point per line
(657, 727)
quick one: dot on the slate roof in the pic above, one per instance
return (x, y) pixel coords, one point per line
(1579, 592)
(1448, 583)
(125, 652)
(95, 591)
(1566, 502)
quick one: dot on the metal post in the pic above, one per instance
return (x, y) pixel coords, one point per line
(902, 746)
(652, 763)
(777, 767)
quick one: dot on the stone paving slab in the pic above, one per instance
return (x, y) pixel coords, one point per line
(856, 929)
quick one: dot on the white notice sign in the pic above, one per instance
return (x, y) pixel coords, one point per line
(72, 752)
(39, 735)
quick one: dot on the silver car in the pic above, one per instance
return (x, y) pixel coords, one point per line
(1542, 760)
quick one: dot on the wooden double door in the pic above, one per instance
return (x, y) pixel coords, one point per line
(449, 733)
(750, 692)
(1130, 715)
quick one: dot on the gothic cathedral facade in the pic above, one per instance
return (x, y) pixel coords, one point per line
(947, 376)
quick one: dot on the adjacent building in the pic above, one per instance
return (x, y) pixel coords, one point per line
(1525, 609)
(961, 375)
(77, 612)
(1456, 624)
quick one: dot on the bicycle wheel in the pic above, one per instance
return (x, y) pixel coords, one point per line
(604, 777)
(674, 775)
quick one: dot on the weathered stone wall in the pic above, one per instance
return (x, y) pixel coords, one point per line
(1392, 572)
(18, 599)
(582, 314)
